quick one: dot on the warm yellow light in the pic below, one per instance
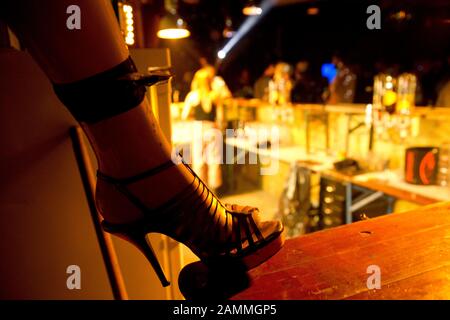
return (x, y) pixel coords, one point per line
(312, 11)
(128, 27)
(227, 33)
(389, 98)
(174, 33)
(389, 85)
(252, 10)
(127, 8)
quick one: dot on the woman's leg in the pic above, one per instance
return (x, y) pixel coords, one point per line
(84, 66)
(125, 144)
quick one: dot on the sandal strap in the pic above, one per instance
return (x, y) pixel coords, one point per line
(255, 228)
(137, 177)
(121, 185)
(149, 79)
(242, 222)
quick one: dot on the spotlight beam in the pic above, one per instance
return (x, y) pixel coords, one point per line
(248, 24)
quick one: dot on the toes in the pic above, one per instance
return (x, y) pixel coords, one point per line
(254, 211)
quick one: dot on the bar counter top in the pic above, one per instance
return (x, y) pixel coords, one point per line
(349, 108)
(388, 181)
(411, 250)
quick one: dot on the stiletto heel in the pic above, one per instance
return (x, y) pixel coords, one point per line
(139, 239)
(215, 232)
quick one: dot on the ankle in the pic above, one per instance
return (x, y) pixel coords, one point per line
(152, 192)
(113, 206)
(129, 143)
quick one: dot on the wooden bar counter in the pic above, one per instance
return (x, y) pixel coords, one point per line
(412, 250)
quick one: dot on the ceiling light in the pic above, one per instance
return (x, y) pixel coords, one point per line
(228, 31)
(172, 26)
(251, 9)
(312, 11)
(173, 33)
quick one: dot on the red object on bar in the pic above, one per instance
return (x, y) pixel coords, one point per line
(421, 165)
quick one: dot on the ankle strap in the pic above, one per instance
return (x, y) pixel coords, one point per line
(139, 176)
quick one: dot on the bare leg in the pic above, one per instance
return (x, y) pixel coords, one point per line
(128, 142)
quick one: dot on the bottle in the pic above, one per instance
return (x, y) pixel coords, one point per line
(384, 93)
(443, 178)
(406, 93)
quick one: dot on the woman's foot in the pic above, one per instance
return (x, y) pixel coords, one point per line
(192, 215)
(130, 143)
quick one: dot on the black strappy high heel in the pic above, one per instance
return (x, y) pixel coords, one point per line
(213, 231)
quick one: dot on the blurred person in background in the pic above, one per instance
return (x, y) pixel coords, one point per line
(443, 87)
(342, 88)
(307, 88)
(202, 103)
(261, 87)
(280, 86)
(244, 90)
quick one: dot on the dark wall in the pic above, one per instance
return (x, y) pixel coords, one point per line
(417, 42)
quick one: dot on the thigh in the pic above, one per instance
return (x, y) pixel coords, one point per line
(68, 55)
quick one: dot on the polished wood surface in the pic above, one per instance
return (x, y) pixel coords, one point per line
(412, 250)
